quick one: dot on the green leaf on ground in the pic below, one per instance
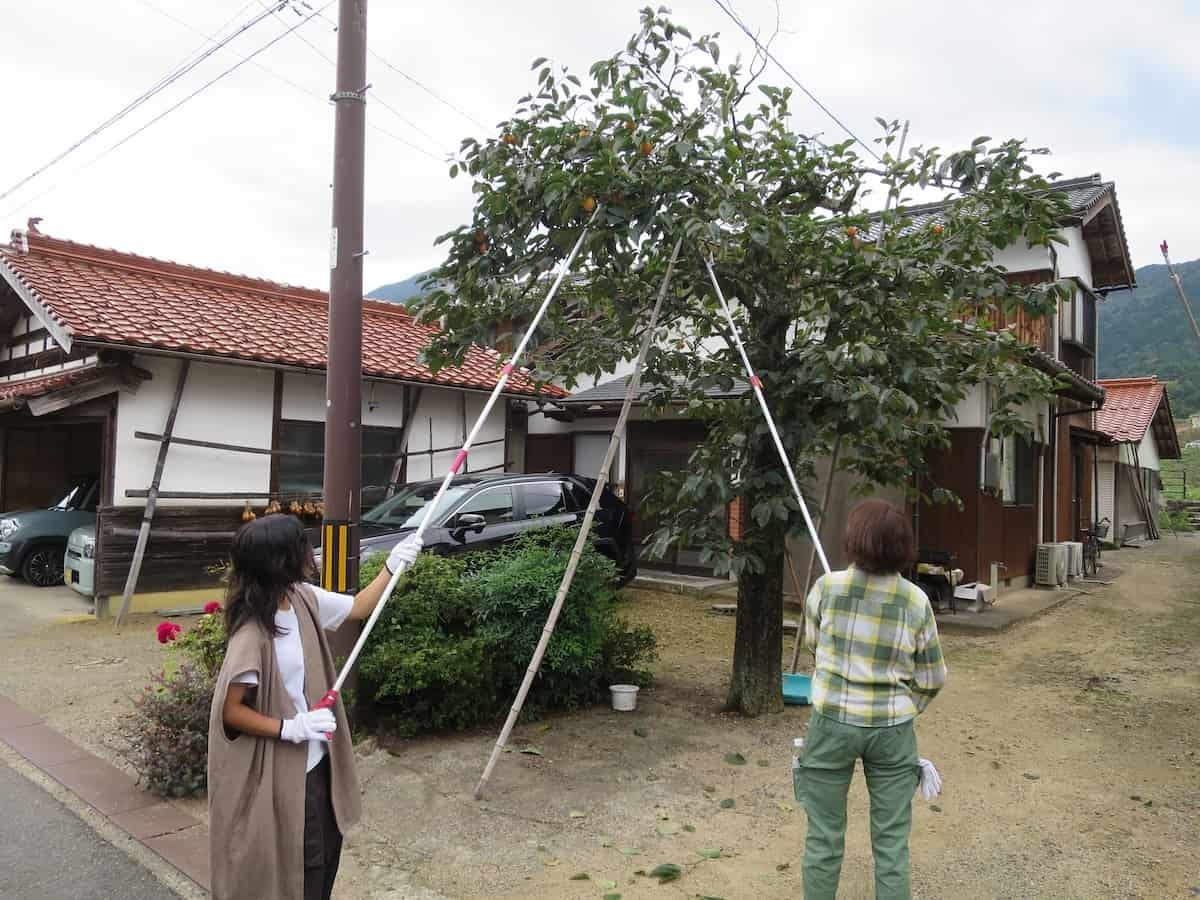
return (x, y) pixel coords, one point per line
(640, 732)
(666, 872)
(728, 803)
(690, 829)
(630, 851)
(577, 814)
(612, 897)
(582, 876)
(531, 751)
(710, 789)
(666, 829)
(764, 763)
(735, 759)
(709, 854)
(606, 884)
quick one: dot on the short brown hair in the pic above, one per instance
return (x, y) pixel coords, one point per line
(878, 538)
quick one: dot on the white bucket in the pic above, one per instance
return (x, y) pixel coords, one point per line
(624, 697)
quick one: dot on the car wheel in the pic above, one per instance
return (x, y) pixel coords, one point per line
(43, 567)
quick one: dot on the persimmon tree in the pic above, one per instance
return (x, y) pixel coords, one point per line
(865, 338)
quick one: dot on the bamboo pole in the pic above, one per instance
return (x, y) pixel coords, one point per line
(139, 550)
(581, 538)
(812, 553)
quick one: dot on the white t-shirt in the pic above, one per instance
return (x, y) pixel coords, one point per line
(332, 610)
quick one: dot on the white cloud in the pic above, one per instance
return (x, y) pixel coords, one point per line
(239, 178)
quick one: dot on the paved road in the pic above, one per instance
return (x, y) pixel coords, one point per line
(49, 853)
(24, 608)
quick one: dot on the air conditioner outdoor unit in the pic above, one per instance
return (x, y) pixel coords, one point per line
(1074, 559)
(1052, 561)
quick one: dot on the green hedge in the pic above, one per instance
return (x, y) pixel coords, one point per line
(452, 646)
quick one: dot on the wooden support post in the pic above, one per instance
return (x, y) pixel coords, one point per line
(139, 551)
(412, 399)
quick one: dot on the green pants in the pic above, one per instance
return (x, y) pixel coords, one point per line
(890, 761)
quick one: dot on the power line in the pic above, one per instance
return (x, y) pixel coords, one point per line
(164, 82)
(311, 94)
(299, 87)
(374, 94)
(766, 52)
(430, 91)
(229, 71)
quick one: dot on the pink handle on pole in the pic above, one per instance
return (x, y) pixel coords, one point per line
(327, 702)
(458, 461)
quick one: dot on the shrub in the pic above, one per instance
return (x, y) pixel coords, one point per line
(166, 735)
(454, 643)
(1173, 520)
(423, 667)
(204, 643)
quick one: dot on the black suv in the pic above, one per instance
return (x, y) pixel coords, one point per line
(480, 512)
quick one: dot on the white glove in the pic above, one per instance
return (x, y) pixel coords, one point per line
(314, 725)
(404, 554)
(931, 781)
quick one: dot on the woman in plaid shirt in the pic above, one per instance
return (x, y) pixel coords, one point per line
(878, 665)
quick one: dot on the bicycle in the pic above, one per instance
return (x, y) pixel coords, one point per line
(1091, 546)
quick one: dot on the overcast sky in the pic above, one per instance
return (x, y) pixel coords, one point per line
(238, 178)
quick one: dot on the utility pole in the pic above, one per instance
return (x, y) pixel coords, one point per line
(1179, 287)
(343, 407)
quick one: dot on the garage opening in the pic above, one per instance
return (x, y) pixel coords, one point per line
(41, 463)
(51, 483)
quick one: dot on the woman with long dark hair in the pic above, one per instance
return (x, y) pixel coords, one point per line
(878, 666)
(282, 788)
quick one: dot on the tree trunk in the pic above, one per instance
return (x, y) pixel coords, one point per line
(756, 684)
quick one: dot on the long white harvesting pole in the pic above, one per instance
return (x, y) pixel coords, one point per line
(432, 508)
(756, 384)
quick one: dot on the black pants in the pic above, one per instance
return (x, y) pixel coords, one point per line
(322, 840)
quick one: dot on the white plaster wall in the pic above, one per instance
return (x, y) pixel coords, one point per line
(1020, 257)
(1147, 453)
(1073, 258)
(439, 417)
(304, 400)
(227, 403)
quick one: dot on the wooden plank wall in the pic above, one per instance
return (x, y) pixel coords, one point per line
(175, 564)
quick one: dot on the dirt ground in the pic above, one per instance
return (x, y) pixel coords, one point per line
(1069, 747)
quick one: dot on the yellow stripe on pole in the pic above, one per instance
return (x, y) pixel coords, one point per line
(343, 552)
(327, 559)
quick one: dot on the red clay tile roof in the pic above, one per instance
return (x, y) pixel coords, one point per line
(1130, 406)
(47, 384)
(106, 297)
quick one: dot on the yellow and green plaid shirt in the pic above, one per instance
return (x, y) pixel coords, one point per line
(878, 660)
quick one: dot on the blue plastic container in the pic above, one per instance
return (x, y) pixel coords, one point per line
(797, 689)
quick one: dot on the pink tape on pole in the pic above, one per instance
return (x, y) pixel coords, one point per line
(458, 461)
(507, 370)
(756, 381)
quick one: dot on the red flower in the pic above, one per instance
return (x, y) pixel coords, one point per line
(167, 632)
(211, 608)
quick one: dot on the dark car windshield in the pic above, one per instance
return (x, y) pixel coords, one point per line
(406, 508)
(78, 497)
